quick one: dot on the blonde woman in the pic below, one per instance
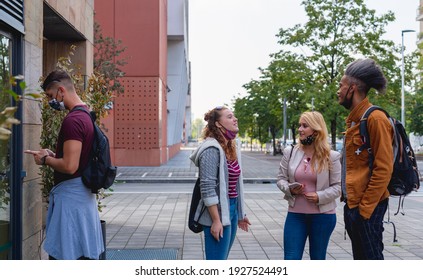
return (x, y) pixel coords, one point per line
(310, 176)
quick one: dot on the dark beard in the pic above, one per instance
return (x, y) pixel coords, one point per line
(347, 103)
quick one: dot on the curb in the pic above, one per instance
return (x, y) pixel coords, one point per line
(158, 180)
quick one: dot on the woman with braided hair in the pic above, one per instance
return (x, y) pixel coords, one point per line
(219, 161)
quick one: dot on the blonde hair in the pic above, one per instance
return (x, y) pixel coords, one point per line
(321, 157)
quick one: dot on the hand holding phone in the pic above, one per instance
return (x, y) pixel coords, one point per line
(294, 185)
(31, 152)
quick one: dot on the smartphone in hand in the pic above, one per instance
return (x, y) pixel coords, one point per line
(294, 185)
(31, 152)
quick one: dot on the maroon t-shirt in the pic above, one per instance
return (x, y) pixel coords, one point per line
(77, 125)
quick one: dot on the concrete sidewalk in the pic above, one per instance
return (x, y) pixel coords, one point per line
(148, 212)
(257, 166)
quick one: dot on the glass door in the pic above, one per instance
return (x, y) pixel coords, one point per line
(5, 147)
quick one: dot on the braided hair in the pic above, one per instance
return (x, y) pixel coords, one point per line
(366, 74)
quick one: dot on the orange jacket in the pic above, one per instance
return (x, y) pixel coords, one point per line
(365, 190)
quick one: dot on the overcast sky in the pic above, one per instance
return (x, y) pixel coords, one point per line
(230, 39)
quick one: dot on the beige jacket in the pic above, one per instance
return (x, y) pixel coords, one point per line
(328, 186)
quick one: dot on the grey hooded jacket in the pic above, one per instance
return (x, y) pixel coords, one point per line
(213, 172)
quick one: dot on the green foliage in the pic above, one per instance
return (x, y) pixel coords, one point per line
(7, 120)
(108, 60)
(414, 102)
(95, 97)
(51, 120)
(197, 128)
(417, 112)
(336, 33)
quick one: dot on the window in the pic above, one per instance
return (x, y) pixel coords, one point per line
(5, 147)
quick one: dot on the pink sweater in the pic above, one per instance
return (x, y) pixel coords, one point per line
(305, 176)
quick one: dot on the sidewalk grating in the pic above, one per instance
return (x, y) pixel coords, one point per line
(141, 254)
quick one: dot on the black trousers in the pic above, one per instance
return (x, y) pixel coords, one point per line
(80, 258)
(366, 235)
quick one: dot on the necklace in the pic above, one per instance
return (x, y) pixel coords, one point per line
(307, 160)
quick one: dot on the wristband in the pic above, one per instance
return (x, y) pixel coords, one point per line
(43, 160)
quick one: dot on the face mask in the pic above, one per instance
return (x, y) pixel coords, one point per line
(229, 135)
(347, 103)
(310, 139)
(56, 105)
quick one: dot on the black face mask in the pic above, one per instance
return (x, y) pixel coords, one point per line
(347, 103)
(309, 140)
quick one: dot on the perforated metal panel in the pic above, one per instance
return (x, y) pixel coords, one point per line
(137, 114)
(142, 254)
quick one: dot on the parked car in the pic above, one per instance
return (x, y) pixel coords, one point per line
(280, 145)
(339, 146)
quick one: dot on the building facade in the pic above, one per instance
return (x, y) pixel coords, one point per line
(33, 35)
(147, 124)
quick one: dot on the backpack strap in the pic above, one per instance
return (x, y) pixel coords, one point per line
(93, 118)
(290, 155)
(364, 133)
(90, 113)
(197, 185)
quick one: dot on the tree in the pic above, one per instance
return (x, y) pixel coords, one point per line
(336, 32)
(415, 101)
(292, 78)
(416, 126)
(108, 60)
(256, 112)
(197, 128)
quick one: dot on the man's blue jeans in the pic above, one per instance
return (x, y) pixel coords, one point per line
(317, 227)
(219, 250)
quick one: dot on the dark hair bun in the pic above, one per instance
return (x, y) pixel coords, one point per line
(207, 116)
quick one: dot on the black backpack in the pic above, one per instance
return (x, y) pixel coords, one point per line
(193, 224)
(405, 175)
(99, 172)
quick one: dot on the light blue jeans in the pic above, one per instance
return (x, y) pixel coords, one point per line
(316, 227)
(219, 250)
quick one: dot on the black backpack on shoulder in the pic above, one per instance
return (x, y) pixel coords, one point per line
(99, 172)
(193, 224)
(405, 175)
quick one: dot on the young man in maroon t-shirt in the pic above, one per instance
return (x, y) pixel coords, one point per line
(73, 224)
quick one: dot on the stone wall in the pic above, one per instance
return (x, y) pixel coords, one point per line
(40, 58)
